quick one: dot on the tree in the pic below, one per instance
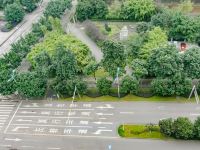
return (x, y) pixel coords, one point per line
(104, 86)
(56, 8)
(163, 87)
(166, 126)
(14, 13)
(31, 85)
(142, 27)
(114, 57)
(165, 62)
(65, 63)
(66, 87)
(29, 4)
(139, 67)
(156, 38)
(140, 10)
(197, 128)
(87, 9)
(186, 6)
(192, 63)
(182, 128)
(129, 85)
(91, 68)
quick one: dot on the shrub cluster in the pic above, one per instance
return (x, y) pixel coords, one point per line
(181, 128)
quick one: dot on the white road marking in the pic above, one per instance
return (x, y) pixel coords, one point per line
(98, 132)
(8, 146)
(5, 110)
(102, 118)
(126, 112)
(2, 123)
(102, 122)
(50, 125)
(4, 115)
(53, 117)
(53, 148)
(102, 127)
(28, 112)
(16, 139)
(27, 146)
(22, 120)
(12, 117)
(102, 114)
(42, 108)
(7, 105)
(17, 128)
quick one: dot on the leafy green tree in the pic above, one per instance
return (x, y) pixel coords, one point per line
(104, 86)
(7, 84)
(197, 128)
(66, 87)
(114, 57)
(139, 67)
(14, 13)
(65, 63)
(186, 6)
(129, 85)
(163, 87)
(87, 9)
(56, 8)
(166, 126)
(192, 63)
(183, 128)
(140, 10)
(165, 62)
(142, 27)
(91, 68)
(29, 4)
(156, 38)
(31, 85)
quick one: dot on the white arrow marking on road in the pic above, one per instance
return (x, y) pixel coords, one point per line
(126, 112)
(17, 128)
(102, 114)
(22, 120)
(102, 122)
(27, 112)
(16, 140)
(99, 131)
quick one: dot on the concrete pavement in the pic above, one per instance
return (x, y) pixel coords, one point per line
(41, 125)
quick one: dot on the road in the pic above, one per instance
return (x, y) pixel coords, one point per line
(56, 125)
(20, 30)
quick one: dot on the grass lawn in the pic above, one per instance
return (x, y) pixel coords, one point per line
(131, 98)
(140, 131)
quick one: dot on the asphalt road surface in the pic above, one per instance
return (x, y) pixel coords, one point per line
(55, 125)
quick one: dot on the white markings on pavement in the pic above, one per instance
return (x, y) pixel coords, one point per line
(28, 112)
(127, 113)
(102, 114)
(18, 128)
(103, 123)
(22, 120)
(53, 148)
(194, 114)
(100, 131)
(16, 139)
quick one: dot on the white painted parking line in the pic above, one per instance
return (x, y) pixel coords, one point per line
(18, 128)
(28, 112)
(2, 123)
(22, 120)
(194, 114)
(4, 115)
(2, 120)
(54, 109)
(16, 139)
(98, 132)
(27, 146)
(4, 110)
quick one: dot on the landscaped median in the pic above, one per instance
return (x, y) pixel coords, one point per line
(141, 131)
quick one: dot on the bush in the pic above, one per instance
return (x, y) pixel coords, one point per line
(129, 85)
(14, 13)
(183, 128)
(166, 126)
(104, 86)
(142, 27)
(197, 128)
